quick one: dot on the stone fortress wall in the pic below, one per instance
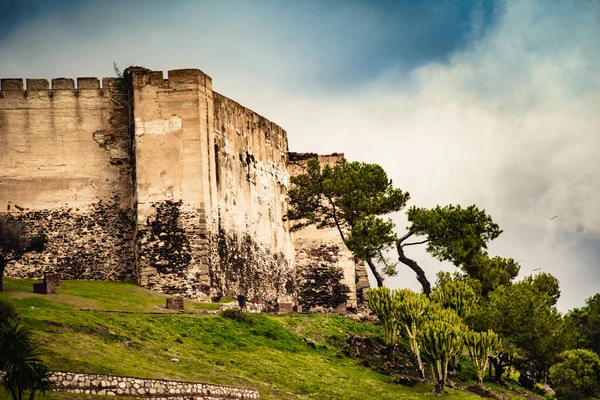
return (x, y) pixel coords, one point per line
(321, 252)
(65, 168)
(162, 181)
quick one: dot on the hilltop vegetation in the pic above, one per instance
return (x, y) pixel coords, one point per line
(506, 322)
(290, 356)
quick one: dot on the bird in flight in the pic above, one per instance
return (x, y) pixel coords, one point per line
(537, 269)
(556, 216)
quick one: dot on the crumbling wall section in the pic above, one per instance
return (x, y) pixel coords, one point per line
(321, 256)
(65, 171)
(173, 183)
(255, 251)
(95, 245)
(160, 180)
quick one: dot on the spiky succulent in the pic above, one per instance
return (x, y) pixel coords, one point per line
(409, 315)
(481, 345)
(383, 302)
(457, 295)
(441, 339)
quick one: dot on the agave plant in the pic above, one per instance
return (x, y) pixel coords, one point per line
(20, 361)
(481, 346)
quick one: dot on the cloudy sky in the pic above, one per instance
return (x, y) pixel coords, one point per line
(492, 103)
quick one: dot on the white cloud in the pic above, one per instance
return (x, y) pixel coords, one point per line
(509, 123)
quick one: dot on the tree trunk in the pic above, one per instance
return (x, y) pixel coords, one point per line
(376, 274)
(412, 264)
(439, 387)
(2, 266)
(498, 368)
(414, 347)
(454, 364)
(420, 366)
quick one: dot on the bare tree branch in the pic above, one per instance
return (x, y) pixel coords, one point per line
(412, 264)
(403, 238)
(413, 243)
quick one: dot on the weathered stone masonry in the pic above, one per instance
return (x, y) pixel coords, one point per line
(65, 170)
(322, 257)
(223, 168)
(163, 181)
(156, 389)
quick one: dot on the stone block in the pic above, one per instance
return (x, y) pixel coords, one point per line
(175, 303)
(257, 299)
(178, 76)
(11, 84)
(43, 288)
(284, 307)
(55, 279)
(108, 82)
(156, 78)
(88, 83)
(63, 84)
(340, 309)
(38, 84)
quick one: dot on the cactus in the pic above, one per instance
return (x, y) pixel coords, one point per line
(440, 339)
(409, 315)
(382, 301)
(457, 295)
(481, 346)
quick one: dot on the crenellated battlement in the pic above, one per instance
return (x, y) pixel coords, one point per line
(34, 84)
(171, 183)
(178, 79)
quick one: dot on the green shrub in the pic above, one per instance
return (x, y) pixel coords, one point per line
(441, 339)
(409, 314)
(383, 302)
(481, 346)
(457, 295)
(577, 375)
(20, 360)
(7, 310)
(237, 315)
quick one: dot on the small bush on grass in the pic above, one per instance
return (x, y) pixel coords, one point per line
(20, 357)
(237, 315)
(7, 310)
(577, 375)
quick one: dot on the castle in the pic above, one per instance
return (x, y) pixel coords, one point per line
(161, 181)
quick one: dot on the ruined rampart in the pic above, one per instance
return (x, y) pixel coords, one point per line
(156, 179)
(253, 241)
(210, 209)
(65, 170)
(321, 257)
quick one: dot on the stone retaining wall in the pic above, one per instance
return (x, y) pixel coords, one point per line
(155, 389)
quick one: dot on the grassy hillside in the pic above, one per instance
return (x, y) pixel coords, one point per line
(284, 357)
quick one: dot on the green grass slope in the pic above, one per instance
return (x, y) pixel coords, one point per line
(270, 353)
